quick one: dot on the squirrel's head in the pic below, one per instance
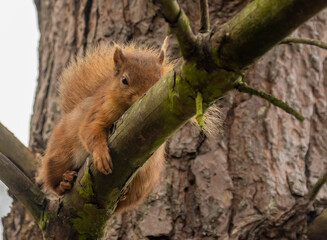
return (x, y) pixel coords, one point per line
(136, 72)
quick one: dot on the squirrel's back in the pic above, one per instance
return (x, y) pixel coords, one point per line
(86, 74)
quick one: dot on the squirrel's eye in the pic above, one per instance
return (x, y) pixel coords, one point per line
(124, 81)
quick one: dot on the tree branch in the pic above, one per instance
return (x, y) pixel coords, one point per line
(13, 149)
(290, 220)
(258, 27)
(204, 16)
(179, 25)
(312, 42)
(317, 187)
(243, 87)
(22, 187)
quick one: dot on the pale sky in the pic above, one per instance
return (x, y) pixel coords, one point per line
(19, 37)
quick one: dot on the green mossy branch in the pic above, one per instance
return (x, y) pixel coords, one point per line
(260, 26)
(44, 220)
(199, 110)
(90, 222)
(85, 188)
(243, 87)
(308, 41)
(178, 25)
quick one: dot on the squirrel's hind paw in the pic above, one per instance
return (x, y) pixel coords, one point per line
(67, 182)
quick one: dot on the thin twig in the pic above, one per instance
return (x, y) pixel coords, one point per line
(243, 87)
(316, 188)
(312, 42)
(204, 17)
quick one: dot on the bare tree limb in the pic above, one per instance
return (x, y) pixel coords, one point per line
(312, 42)
(13, 149)
(290, 221)
(179, 25)
(22, 187)
(317, 187)
(204, 16)
(243, 87)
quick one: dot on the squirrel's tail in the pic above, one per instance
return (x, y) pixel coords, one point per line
(213, 123)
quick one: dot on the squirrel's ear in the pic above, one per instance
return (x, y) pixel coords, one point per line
(161, 57)
(119, 57)
(163, 50)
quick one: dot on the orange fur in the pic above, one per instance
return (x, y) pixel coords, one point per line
(94, 94)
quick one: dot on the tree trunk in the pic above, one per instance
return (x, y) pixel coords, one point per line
(216, 187)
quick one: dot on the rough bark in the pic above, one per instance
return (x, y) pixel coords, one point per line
(213, 187)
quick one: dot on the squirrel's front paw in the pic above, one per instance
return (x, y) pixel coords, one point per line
(102, 161)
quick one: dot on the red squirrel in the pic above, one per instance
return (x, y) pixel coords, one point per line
(95, 91)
